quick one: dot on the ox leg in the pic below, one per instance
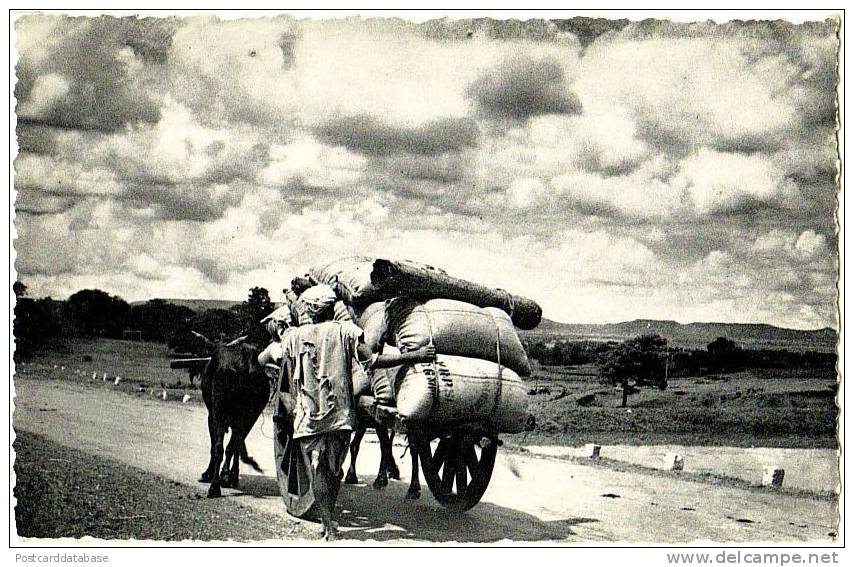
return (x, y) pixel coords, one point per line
(391, 464)
(238, 437)
(351, 477)
(214, 490)
(228, 472)
(414, 491)
(385, 457)
(207, 475)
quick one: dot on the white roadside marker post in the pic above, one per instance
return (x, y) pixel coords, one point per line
(773, 476)
(591, 451)
(675, 461)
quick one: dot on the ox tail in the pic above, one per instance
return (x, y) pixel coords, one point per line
(244, 456)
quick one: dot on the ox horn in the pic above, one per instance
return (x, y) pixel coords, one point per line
(238, 340)
(208, 343)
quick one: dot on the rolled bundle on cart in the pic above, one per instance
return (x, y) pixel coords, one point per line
(361, 281)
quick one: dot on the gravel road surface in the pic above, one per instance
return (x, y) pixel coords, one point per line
(529, 498)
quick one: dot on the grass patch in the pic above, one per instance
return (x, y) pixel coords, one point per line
(793, 407)
(63, 492)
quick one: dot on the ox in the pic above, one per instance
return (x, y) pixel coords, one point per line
(388, 467)
(235, 390)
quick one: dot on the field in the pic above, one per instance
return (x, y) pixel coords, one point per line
(780, 408)
(142, 367)
(756, 408)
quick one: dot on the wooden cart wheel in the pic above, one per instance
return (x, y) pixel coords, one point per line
(291, 474)
(459, 470)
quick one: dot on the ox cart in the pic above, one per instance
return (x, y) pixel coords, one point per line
(457, 405)
(457, 458)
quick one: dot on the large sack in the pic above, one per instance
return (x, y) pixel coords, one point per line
(361, 281)
(456, 390)
(453, 327)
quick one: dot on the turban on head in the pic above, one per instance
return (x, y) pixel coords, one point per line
(316, 303)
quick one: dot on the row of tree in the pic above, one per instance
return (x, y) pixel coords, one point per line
(646, 360)
(95, 313)
(721, 355)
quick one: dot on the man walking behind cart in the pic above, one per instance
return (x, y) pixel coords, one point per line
(318, 359)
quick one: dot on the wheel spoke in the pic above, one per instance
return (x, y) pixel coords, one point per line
(281, 455)
(471, 460)
(439, 455)
(462, 480)
(448, 475)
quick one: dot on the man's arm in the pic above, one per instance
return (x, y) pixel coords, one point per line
(424, 354)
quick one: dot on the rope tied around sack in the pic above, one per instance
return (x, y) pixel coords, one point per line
(510, 305)
(432, 381)
(498, 362)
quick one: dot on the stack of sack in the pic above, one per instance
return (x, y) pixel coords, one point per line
(480, 359)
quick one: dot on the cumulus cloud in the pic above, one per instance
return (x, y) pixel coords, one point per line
(371, 136)
(805, 246)
(306, 161)
(236, 71)
(605, 142)
(90, 73)
(810, 244)
(523, 87)
(608, 169)
(722, 182)
(689, 92)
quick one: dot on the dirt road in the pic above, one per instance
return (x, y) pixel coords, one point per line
(529, 499)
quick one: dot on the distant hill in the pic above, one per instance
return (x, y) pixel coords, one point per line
(197, 304)
(692, 335)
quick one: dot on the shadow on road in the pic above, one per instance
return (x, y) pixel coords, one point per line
(260, 486)
(381, 515)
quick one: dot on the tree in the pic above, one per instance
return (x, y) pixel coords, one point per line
(257, 306)
(724, 354)
(19, 289)
(96, 313)
(159, 320)
(216, 324)
(635, 363)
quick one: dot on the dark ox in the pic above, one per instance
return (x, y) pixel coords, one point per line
(235, 390)
(388, 467)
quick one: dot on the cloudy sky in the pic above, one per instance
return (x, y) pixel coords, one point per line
(610, 170)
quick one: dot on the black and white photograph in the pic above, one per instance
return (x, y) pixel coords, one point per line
(426, 279)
